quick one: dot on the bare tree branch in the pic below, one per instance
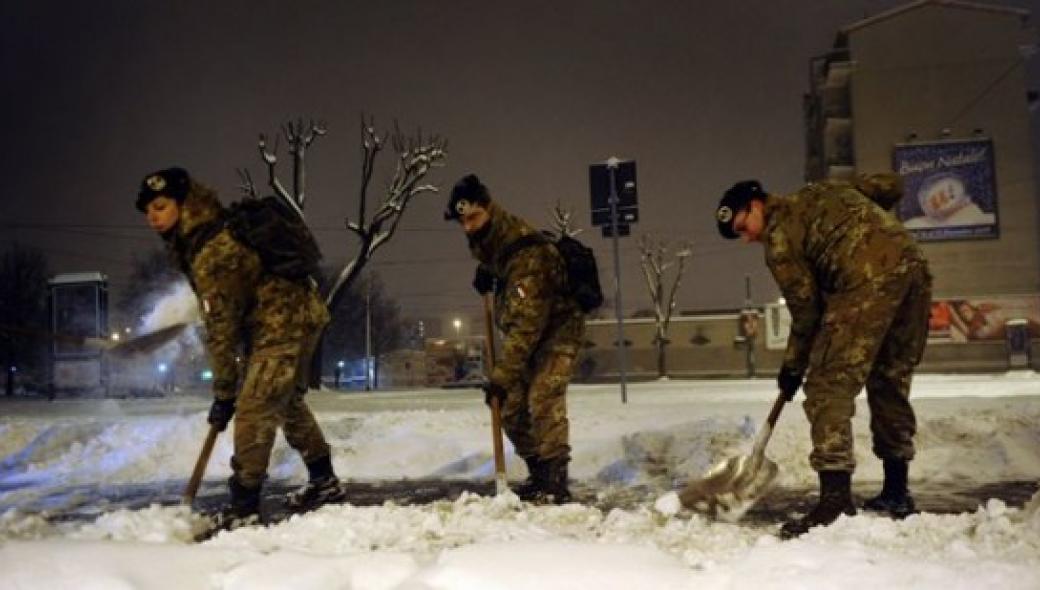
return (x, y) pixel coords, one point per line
(562, 221)
(271, 159)
(416, 156)
(299, 137)
(247, 187)
(655, 259)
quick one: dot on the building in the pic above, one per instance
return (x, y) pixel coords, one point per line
(936, 90)
(946, 80)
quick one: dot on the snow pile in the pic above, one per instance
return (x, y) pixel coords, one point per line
(478, 542)
(56, 457)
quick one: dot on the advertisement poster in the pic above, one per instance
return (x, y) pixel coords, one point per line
(950, 189)
(974, 319)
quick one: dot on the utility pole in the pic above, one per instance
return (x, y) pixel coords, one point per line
(368, 336)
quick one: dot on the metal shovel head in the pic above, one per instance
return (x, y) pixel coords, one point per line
(730, 488)
(147, 343)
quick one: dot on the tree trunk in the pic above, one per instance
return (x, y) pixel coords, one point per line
(662, 370)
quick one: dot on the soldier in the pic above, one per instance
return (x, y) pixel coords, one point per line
(270, 322)
(859, 292)
(543, 329)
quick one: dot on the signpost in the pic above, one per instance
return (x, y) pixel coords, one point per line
(612, 186)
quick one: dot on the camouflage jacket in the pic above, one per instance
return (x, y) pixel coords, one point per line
(828, 238)
(246, 310)
(532, 307)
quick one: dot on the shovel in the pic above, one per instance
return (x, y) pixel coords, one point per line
(143, 344)
(501, 485)
(731, 487)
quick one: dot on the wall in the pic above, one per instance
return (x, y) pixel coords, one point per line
(937, 67)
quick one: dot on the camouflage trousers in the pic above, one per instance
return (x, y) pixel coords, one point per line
(272, 397)
(534, 416)
(874, 336)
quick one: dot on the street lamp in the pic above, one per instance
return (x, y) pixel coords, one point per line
(458, 328)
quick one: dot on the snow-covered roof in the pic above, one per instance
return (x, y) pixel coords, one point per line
(957, 4)
(77, 277)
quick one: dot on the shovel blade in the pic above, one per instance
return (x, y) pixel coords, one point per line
(730, 488)
(146, 343)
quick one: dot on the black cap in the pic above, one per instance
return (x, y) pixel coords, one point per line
(734, 201)
(171, 182)
(467, 191)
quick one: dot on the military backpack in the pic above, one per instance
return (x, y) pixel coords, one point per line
(579, 263)
(278, 235)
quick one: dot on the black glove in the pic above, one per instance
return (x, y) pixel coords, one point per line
(789, 381)
(483, 281)
(220, 413)
(493, 390)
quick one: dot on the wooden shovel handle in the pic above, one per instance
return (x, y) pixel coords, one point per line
(200, 466)
(778, 406)
(496, 411)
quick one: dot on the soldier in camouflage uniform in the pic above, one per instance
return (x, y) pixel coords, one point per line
(543, 328)
(261, 330)
(859, 292)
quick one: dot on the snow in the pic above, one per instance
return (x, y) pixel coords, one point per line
(973, 430)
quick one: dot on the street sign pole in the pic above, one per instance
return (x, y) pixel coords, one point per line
(612, 166)
(614, 205)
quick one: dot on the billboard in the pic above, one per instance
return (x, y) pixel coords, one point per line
(950, 189)
(982, 318)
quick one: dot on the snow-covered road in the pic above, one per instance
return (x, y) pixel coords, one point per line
(973, 431)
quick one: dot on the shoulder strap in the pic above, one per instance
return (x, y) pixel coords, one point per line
(519, 244)
(203, 234)
(183, 250)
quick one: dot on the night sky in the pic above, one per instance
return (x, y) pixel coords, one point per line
(700, 94)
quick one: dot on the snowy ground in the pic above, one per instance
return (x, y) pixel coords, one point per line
(65, 466)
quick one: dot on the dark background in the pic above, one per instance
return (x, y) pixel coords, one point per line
(528, 94)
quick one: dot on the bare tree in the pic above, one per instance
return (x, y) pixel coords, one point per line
(656, 257)
(299, 137)
(562, 221)
(416, 156)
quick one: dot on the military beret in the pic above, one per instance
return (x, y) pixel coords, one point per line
(467, 192)
(173, 183)
(734, 201)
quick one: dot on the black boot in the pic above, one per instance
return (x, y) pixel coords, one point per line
(548, 483)
(556, 491)
(895, 498)
(243, 509)
(322, 487)
(533, 486)
(835, 500)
